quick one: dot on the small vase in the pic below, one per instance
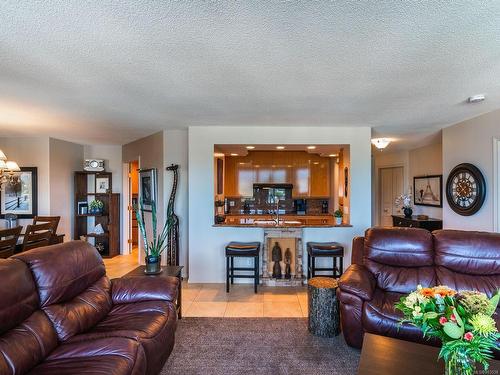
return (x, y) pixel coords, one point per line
(338, 220)
(459, 364)
(408, 211)
(153, 265)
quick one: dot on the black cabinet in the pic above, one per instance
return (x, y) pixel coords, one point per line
(412, 222)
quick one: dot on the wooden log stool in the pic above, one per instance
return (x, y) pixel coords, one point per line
(324, 316)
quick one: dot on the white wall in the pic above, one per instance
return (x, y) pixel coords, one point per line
(64, 159)
(471, 141)
(206, 243)
(175, 148)
(31, 152)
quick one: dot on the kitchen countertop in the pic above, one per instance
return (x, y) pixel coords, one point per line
(291, 214)
(283, 226)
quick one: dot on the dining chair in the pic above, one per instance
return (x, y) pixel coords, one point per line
(8, 241)
(54, 220)
(37, 235)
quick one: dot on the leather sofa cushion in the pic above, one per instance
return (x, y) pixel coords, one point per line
(18, 295)
(406, 247)
(472, 253)
(151, 323)
(63, 271)
(110, 356)
(400, 258)
(83, 312)
(380, 317)
(488, 284)
(26, 345)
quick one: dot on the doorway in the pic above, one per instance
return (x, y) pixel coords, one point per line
(133, 229)
(496, 184)
(391, 186)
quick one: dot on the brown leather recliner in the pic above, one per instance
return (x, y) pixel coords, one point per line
(60, 314)
(388, 263)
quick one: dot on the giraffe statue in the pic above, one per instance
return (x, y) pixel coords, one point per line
(173, 233)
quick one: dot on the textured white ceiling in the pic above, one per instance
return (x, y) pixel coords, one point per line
(112, 71)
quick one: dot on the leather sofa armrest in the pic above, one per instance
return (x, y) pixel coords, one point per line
(358, 246)
(359, 281)
(144, 288)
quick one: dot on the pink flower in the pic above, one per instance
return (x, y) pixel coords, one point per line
(452, 318)
(468, 336)
(442, 320)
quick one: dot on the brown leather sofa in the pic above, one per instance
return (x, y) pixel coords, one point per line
(60, 314)
(390, 262)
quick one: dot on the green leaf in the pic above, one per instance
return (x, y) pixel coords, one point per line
(494, 303)
(430, 315)
(459, 319)
(453, 330)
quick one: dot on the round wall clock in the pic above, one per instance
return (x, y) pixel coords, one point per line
(465, 189)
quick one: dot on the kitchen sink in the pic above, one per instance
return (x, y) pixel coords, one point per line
(273, 222)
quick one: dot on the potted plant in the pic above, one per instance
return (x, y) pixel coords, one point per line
(338, 215)
(152, 248)
(461, 320)
(405, 202)
(96, 206)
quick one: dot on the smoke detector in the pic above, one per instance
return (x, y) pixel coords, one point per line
(476, 98)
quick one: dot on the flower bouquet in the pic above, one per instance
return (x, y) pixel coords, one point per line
(461, 320)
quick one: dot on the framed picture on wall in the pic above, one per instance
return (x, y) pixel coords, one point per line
(101, 185)
(220, 176)
(147, 187)
(427, 191)
(20, 194)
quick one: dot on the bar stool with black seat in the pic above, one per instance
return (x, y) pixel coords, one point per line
(325, 249)
(242, 249)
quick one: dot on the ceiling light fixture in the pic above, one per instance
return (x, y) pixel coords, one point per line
(311, 147)
(476, 98)
(381, 143)
(8, 171)
(250, 147)
(234, 154)
(280, 147)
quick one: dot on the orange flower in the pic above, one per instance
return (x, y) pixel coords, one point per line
(444, 291)
(427, 292)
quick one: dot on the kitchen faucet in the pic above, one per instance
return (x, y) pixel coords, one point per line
(277, 200)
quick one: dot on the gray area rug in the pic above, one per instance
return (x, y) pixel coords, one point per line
(277, 346)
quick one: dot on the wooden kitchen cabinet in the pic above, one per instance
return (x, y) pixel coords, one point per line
(319, 185)
(308, 173)
(230, 187)
(301, 173)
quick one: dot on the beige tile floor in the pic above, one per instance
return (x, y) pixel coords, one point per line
(211, 300)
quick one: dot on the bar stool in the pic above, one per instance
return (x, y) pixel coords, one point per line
(325, 249)
(242, 249)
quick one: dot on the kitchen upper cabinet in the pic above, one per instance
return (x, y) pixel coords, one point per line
(300, 174)
(245, 176)
(230, 187)
(309, 173)
(319, 185)
(282, 168)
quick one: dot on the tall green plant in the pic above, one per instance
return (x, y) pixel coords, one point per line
(157, 245)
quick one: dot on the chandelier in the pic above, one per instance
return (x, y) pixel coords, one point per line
(8, 171)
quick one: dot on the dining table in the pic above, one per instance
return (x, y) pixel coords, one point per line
(55, 239)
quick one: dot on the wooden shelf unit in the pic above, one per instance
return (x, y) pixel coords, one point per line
(109, 218)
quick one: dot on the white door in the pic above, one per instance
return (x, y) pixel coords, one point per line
(391, 186)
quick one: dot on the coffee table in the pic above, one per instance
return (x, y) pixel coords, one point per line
(173, 271)
(387, 356)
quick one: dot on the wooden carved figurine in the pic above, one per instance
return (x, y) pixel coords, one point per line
(173, 235)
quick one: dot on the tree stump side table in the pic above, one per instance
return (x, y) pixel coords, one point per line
(324, 318)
